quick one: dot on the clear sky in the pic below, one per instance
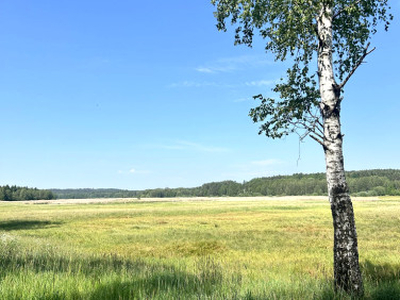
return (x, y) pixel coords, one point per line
(146, 94)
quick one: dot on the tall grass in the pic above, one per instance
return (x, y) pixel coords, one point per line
(190, 250)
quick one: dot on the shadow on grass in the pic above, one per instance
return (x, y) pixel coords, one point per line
(384, 280)
(159, 285)
(26, 225)
(172, 284)
(381, 282)
(378, 273)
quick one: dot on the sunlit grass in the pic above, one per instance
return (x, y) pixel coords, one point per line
(229, 249)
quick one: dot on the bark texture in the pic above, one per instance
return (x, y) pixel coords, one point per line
(347, 274)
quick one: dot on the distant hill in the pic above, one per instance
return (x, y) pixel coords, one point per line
(361, 183)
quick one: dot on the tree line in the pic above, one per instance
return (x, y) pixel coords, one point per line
(361, 183)
(16, 193)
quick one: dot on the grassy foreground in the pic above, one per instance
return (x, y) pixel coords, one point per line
(229, 249)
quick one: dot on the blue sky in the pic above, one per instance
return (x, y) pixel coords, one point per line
(146, 94)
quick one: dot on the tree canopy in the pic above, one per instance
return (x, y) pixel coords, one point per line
(290, 28)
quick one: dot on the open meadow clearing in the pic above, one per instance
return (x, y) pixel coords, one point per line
(233, 248)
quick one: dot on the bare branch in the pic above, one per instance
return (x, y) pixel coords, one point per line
(318, 135)
(313, 129)
(318, 140)
(366, 52)
(316, 118)
(315, 121)
(319, 127)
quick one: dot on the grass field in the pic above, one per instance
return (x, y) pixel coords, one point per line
(230, 249)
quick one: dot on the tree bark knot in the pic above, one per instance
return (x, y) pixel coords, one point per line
(339, 191)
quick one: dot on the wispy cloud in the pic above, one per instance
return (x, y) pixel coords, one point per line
(260, 83)
(244, 99)
(205, 70)
(267, 162)
(202, 148)
(200, 84)
(133, 171)
(216, 69)
(196, 84)
(230, 64)
(96, 62)
(186, 145)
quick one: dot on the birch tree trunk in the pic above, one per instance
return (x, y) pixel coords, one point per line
(347, 275)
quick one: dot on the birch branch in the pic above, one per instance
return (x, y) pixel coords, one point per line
(366, 52)
(318, 140)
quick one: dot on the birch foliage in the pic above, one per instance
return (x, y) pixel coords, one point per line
(290, 30)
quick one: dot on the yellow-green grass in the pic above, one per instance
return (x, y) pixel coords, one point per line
(230, 249)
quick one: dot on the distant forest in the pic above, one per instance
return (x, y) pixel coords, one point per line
(15, 193)
(361, 183)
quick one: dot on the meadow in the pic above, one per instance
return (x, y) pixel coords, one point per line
(228, 249)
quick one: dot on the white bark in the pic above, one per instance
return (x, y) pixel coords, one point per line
(346, 264)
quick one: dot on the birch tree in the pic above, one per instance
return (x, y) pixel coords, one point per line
(326, 41)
